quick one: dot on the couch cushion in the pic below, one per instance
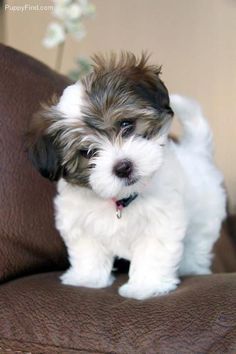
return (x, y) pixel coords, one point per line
(28, 240)
(40, 315)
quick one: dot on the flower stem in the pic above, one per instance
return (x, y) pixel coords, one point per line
(59, 57)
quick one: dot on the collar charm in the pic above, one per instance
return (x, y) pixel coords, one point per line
(123, 203)
(119, 211)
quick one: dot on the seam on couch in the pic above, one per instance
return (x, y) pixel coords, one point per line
(45, 347)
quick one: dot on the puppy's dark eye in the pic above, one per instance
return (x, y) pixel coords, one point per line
(87, 154)
(127, 127)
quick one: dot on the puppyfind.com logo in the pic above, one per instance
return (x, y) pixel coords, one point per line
(28, 7)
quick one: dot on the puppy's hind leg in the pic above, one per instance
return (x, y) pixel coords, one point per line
(198, 245)
(204, 229)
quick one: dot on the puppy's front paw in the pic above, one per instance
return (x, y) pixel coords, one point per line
(143, 292)
(73, 277)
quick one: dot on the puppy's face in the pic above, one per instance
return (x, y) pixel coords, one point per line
(107, 132)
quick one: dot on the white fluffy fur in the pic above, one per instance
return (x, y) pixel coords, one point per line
(71, 100)
(167, 231)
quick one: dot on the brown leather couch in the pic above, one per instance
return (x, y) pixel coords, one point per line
(40, 315)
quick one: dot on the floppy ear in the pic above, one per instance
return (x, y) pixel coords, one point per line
(43, 147)
(45, 158)
(43, 151)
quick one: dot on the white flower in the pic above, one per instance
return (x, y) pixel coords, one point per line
(73, 12)
(76, 28)
(87, 8)
(59, 10)
(70, 15)
(61, 2)
(67, 10)
(54, 36)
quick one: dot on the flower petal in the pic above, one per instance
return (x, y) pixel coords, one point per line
(55, 35)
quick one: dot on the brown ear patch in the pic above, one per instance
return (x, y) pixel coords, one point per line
(42, 149)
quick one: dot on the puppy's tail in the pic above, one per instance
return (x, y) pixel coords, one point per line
(196, 131)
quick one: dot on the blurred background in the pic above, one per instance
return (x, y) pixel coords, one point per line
(193, 40)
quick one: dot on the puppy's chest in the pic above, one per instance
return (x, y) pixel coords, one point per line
(83, 217)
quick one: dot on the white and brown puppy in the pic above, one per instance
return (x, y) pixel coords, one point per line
(124, 188)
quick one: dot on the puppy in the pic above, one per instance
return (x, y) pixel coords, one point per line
(124, 188)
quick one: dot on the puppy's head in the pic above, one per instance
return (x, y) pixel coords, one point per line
(107, 131)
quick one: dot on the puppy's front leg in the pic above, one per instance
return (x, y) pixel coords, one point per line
(154, 264)
(91, 264)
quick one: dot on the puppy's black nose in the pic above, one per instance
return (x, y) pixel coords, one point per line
(123, 168)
